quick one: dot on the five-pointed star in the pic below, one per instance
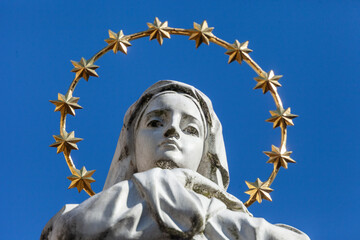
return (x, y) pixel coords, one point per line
(237, 51)
(201, 33)
(84, 69)
(66, 104)
(118, 42)
(159, 30)
(281, 117)
(81, 179)
(258, 190)
(66, 143)
(268, 82)
(279, 158)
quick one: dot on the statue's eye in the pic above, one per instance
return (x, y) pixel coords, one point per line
(154, 123)
(191, 130)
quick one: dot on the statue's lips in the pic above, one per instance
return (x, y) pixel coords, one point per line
(170, 143)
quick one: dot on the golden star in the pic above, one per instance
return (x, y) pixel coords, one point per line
(258, 190)
(201, 33)
(66, 104)
(84, 69)
(66, 143)
(268, 82)
(281, 117)
(237, 51)
(118, 41)
(279, 158)
(159, 30)
(81, 179)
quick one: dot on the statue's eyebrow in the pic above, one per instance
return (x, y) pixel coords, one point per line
(192, 118)
(157, 113)
(165, 111)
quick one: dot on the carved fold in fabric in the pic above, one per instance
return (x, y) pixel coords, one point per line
(156, 204)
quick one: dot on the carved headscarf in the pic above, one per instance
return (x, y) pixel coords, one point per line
(213, 164)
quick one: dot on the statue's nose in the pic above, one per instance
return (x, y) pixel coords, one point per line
(172, 132)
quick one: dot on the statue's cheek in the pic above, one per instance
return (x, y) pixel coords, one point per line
(192, 152)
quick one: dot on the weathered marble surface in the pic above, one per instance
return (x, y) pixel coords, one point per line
(171, 126)
(162, 204)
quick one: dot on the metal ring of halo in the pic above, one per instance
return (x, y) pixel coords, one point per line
(201, 33)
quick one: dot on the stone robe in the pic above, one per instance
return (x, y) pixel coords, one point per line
(163, 204)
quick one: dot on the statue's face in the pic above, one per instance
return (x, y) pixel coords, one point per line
(170, 134)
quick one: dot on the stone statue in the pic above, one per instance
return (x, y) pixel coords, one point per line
(167, 180)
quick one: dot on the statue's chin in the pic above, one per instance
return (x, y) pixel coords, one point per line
(166, 164)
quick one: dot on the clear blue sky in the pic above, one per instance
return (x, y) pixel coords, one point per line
(314, 44)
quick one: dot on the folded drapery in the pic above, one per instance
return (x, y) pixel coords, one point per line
(163, 204)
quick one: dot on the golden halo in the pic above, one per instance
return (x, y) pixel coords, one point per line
(201, 33)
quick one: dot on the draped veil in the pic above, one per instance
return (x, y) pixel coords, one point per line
(213, 164)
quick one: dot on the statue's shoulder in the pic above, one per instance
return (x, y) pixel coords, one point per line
(47, 231)
(291, 229)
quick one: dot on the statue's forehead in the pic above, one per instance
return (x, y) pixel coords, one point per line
(171, 102)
